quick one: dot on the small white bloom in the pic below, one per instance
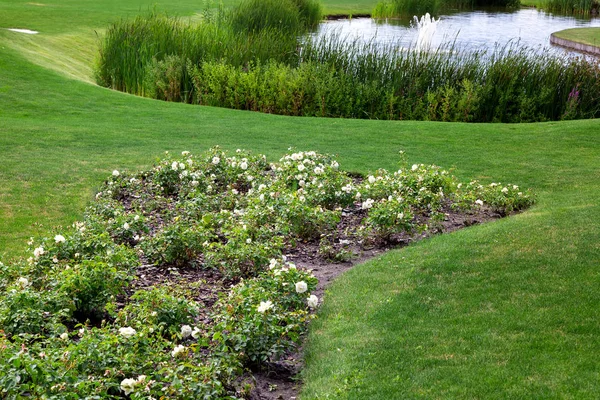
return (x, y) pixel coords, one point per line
(190, 162)
(59, 239)
(179, 349)
(125, 225)
(301, 167)
(301, 287)
(127, 332)
(216, 160)
(371, 179)
(318, 170)
(459, 185)
(244, 165)
(264, 306)
(186, 331)
(181, 165)
(415, 167)
(272, 263)
(128, 385)
(116, 173)
(38, 251)
(174, 166)
(335, 165)
(313, 301)
(248, 240)
(194, 183)
(301, 183)
(136, 218)
(23, 282)
(504, 190)
(479, 202)
(55, 260)
(185, 153)
(196, 332)
(64, 336)
(81, 332)
(367, 204)
(515, 187)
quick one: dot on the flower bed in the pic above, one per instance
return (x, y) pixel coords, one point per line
(176, 281)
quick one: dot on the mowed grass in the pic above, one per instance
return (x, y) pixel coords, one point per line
(589, 36)
(504, 310)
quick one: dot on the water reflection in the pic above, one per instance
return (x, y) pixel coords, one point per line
(477, 30)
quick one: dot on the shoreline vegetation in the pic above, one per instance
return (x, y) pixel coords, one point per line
(249, 58)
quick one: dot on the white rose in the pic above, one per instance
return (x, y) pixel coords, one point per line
(264, 306)
(128, 385)
(179, 349)
(127, 332)
(313, 301)
(301, 287)
(186, 331)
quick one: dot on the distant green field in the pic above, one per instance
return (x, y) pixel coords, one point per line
(504, 310)
(589, 36)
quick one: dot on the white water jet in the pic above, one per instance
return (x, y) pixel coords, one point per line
(27, 31)
(426, 27)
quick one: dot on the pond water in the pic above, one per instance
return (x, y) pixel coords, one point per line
(481, 30)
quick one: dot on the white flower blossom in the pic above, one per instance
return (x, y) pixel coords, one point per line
(371, 179)
(128, 385)
(64, 336)
(136, 218)
(367, 204)
(479, 202)
(196, 332)
(244, 165)
(301, 167)
(335, 165)
(116, 173)
(272, 263)
(23, 282)
(216, 160)
(414, 167)
(59, 239)
(186, 331)
(38, 251)
(313, 301)
(179, 349)
(185, 153)
(504, 190)
(125, 225)
(248, 240)
(264, 306)
(174, 166)
(301, 287)
(318, 170)
(127, 332)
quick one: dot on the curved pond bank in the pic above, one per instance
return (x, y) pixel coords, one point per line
(558, 38)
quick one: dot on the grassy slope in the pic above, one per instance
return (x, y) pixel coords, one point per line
(582, 35)
(505, 310)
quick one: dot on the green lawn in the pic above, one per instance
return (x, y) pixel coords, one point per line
(504, 310)
(589, 36)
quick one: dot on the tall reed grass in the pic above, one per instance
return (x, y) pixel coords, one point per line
(581, 7)
(408, 8)
(271, 71)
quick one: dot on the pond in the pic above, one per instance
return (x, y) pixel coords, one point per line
(476, 30)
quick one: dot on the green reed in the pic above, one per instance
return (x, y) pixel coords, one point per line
(272, 71)
(581, 7)
(408, 8)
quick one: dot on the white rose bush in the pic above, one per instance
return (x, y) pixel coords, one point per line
(73, 323)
